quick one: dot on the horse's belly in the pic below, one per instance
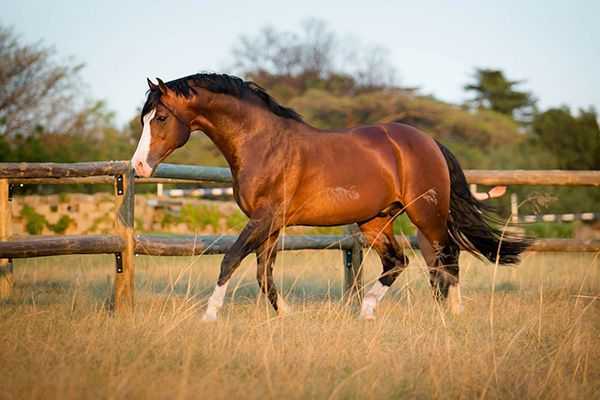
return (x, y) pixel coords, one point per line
(336, 206)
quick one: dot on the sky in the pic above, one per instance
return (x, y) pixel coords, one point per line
(552, 45)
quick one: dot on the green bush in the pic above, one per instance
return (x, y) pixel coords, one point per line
(64, 197)
(200, 216)
(403, 225)
(61, 225)
(167, 219)
(550, 229)
(97, 221)
(35, 221)
(237, 220)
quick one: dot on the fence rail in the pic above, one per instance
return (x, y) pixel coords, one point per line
(125, 244)
(186, 245)
(42, 246)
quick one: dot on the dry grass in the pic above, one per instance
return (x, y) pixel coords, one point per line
(528, 332)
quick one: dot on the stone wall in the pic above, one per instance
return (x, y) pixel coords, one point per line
(94, 214)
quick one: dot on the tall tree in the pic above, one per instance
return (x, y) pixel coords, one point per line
(495, 92)
(573, 140)
(35, 90)
(289, 62)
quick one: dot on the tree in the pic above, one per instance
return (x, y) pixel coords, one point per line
(44, 116)
(289, 63)
(574, 141)
(35, 90)
(495, 92)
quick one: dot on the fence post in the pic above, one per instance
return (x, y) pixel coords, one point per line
(124, 219)
(514, 207)
(6, 267)
(353, 274)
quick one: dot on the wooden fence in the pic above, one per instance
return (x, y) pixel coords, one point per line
(124, 244)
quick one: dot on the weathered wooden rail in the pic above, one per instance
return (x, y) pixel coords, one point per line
(124, 244)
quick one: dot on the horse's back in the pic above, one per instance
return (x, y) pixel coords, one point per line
(367, 168)
(419, 160)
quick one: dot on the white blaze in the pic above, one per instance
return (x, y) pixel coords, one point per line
(140, 157)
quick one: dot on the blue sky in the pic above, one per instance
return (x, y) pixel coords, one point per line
(435, 45)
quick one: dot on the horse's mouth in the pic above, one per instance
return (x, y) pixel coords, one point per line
(142, 169)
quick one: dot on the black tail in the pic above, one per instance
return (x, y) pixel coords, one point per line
(471, 224)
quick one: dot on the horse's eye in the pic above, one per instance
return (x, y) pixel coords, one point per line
(161, 119)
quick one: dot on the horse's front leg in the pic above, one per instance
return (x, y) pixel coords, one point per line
(255, 233)
(265, 257)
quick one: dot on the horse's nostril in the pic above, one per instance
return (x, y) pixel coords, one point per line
(139, 166)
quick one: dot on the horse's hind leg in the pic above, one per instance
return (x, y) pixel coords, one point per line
(380, 235)
(438, 249)
(441, 255)
(265, 257)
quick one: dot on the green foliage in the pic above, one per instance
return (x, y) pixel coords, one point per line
(64, 197)
(557, 200)
(237, 220)
(138, 224)
(550, 229)
(167, 219)
(61, 225)
(35, 221)
(495, 92)
(200, 216)
(325, 230)
(574, 142)
(97, 221)
(403, 226)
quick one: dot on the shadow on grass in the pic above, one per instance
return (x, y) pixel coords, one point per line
(50, 291)
(242, 291)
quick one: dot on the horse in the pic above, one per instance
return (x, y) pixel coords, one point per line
(287, 172)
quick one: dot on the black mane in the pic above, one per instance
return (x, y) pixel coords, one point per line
(219, 83)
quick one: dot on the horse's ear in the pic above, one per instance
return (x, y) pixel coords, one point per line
(151, 85)
(161, 85)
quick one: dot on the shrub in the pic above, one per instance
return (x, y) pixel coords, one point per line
(61, 225)
(200, 216)
(35, 221)
(403, 225)
(237, 220)
(550, 229)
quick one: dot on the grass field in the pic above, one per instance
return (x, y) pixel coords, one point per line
(527, 332)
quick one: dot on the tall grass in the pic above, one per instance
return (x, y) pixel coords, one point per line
(527, 332)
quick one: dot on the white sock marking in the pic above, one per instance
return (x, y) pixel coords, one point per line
(455, 300)
(143, 147)
(214, 303)
(371, 300)
(282, 306)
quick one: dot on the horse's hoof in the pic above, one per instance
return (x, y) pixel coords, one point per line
(282, 307)
(284, 312)
(209, 317)
(368, 317)
(456, 310)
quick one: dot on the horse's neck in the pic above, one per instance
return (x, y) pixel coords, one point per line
(242, 131)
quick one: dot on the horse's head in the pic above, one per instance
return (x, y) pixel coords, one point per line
(165, 128)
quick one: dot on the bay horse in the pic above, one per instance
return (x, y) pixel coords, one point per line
(286, 172)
